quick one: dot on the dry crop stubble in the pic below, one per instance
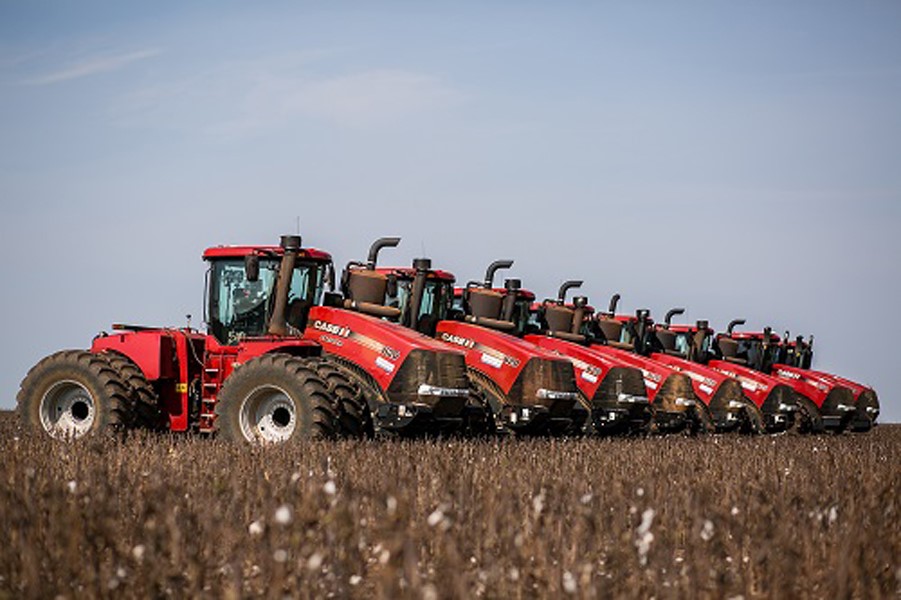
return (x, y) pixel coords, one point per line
(785, 516)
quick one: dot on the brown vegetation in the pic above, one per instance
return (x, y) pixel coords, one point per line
(717, 516)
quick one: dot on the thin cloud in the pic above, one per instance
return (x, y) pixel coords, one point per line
(363, 99)
(92, 66)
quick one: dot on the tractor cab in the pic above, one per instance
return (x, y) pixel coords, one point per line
(242, 296)
(623, 331)
(796, 353)
(557, 318)
(423, 295)
(759, 350)
(417, 297)
(692, 342)
(506, 309)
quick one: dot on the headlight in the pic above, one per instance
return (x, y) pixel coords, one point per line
(432, 390)
(544, 394)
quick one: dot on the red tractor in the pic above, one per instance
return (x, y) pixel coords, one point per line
(259, 374)
(825, 401)
(723, 404)
(616, 391)
(774, 399)
(525, 389)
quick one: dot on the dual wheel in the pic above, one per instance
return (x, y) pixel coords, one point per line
(274, 398)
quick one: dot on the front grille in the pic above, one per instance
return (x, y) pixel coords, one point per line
(542, 373)
(439, 369)
(619, 380)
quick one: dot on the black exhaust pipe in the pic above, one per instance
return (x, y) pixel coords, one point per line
(492, 269)
(641, 330)
(669, 316)
(422, 267)
(579, 303)
(733, 324)
(511, 286)
(565, 287)
(278, 325)
(614, 300)
(385, 242)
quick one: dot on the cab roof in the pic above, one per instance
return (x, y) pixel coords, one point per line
(410, 272)
(521, 294)
(589, 309)
(751, 335)
(218, 252)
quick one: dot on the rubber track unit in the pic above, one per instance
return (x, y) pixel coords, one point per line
(108, 389)
(315, 412)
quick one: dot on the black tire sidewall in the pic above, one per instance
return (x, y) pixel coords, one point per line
(64, 366)
(267, 371)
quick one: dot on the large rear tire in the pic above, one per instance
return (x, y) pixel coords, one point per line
(354, 418)
(144, 409)
(73, 394)
(275, 398)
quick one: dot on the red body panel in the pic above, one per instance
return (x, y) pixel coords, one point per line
(857, 388)
(500, 356)
(174, 360)
(376, 345)
(811, 384)
(706, 381)
(654, 373)
(590, 365)
(756, 385)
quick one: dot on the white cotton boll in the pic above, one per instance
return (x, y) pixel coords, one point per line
(707, 531)
(256, 528)
(283, 515)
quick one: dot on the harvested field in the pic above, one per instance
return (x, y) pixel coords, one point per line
(716, 516)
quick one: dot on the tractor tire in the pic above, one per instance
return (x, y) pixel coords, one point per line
(73, 394)
(275, 398)
(807, 417)
(354, 418)
(144, 409)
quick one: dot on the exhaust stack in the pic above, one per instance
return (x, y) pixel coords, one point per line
(494, 268)
(277, 323)
(422, 267)
(385, 242)
(733, 324)
(614, 300)
(565, 287)
(670, 314)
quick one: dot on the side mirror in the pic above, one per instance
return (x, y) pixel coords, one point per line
(252, 267)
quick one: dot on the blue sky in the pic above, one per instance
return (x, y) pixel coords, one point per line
(735, 158)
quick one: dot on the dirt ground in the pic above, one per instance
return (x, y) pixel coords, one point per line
(716, 516)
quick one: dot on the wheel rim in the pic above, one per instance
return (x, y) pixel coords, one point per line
(268, 415)
(67, 410)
